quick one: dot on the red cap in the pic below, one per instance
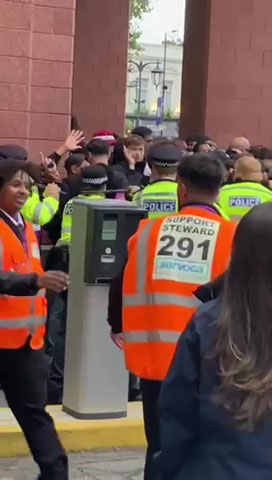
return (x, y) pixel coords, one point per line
(106, 135)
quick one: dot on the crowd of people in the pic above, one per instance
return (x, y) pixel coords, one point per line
(204, 373)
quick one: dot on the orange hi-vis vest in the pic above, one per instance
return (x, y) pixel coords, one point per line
(21, 318)
(168, 259)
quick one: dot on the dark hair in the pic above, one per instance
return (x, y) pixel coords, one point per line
(243, 349)
(197, 146)
(227, 161)
(98, 147)
(258, 151)
(198, 138)
(9, 167)
(142, 131)
(118, 155)
(74, 159)
(202, 171)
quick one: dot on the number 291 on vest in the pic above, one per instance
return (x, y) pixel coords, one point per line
(185, 249)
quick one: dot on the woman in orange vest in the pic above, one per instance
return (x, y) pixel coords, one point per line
(168, 259)
(23, 365)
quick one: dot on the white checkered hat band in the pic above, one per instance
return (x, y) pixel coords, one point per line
(94, 180)
(165, 164)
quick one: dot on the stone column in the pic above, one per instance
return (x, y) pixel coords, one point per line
(36, 64)
(227, 73)
(100, 64)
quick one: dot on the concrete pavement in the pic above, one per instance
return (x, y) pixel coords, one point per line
(104, 465)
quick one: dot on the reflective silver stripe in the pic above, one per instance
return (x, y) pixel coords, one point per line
(142, 256)
(1, 256)
(142, 299)
(62, 242)
(50, 208)
(162, 195)
(152, 336)
(24, 322)
(66, 230)
(37, 213)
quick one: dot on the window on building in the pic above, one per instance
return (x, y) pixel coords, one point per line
(144, 92)
(168, 95)
(132, 92)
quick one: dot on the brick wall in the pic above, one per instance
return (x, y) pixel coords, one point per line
(100, 65)
(232, 62)
(36, 55)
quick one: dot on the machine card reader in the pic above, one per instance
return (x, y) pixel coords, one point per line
(95, 379)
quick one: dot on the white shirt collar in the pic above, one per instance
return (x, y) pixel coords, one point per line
(18, 222)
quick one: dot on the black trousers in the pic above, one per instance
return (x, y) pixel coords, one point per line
(23, 376)
(150, 392)
(57, 338)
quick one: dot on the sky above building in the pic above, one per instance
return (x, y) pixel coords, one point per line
(166, 15)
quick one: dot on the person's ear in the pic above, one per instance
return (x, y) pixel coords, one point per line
(74, 169)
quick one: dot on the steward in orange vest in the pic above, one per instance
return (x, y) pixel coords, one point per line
(23, 365)
(21, 317)
(168, 259)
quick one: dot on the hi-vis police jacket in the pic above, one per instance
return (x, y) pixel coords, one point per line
(238, 199)
(159, 198)
(39, 212)
(168, 259)
(67, 219)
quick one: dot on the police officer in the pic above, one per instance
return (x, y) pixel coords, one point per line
(40, 212)
(168, 259)
(160, 197)
(246, 192)
(93, 187)
(23, 365)
(35, 210)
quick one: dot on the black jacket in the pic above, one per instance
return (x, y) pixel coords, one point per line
(199, 440)
(16, 284)
(134, 177)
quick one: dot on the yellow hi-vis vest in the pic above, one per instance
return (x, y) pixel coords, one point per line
(67, 219)
(238, 199)
(159, 198)
(39, 212)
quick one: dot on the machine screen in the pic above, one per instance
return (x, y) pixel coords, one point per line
(109, 230)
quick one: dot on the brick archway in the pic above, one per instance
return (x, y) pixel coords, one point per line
(42, 75)
(227, 73)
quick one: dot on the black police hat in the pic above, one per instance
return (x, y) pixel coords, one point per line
(93, 177)
(165, 154)
(13, 151)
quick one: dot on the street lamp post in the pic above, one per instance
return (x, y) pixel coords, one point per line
(141, 67)
(164, 87)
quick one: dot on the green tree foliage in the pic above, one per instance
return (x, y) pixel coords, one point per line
(138, 9)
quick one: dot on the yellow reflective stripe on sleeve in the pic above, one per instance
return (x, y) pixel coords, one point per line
(66, 230)
(142, 299)
(51, 209)
(152, 336)
(23, 322)
(37, 213)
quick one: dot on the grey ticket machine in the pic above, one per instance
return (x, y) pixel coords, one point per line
(95, 379)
